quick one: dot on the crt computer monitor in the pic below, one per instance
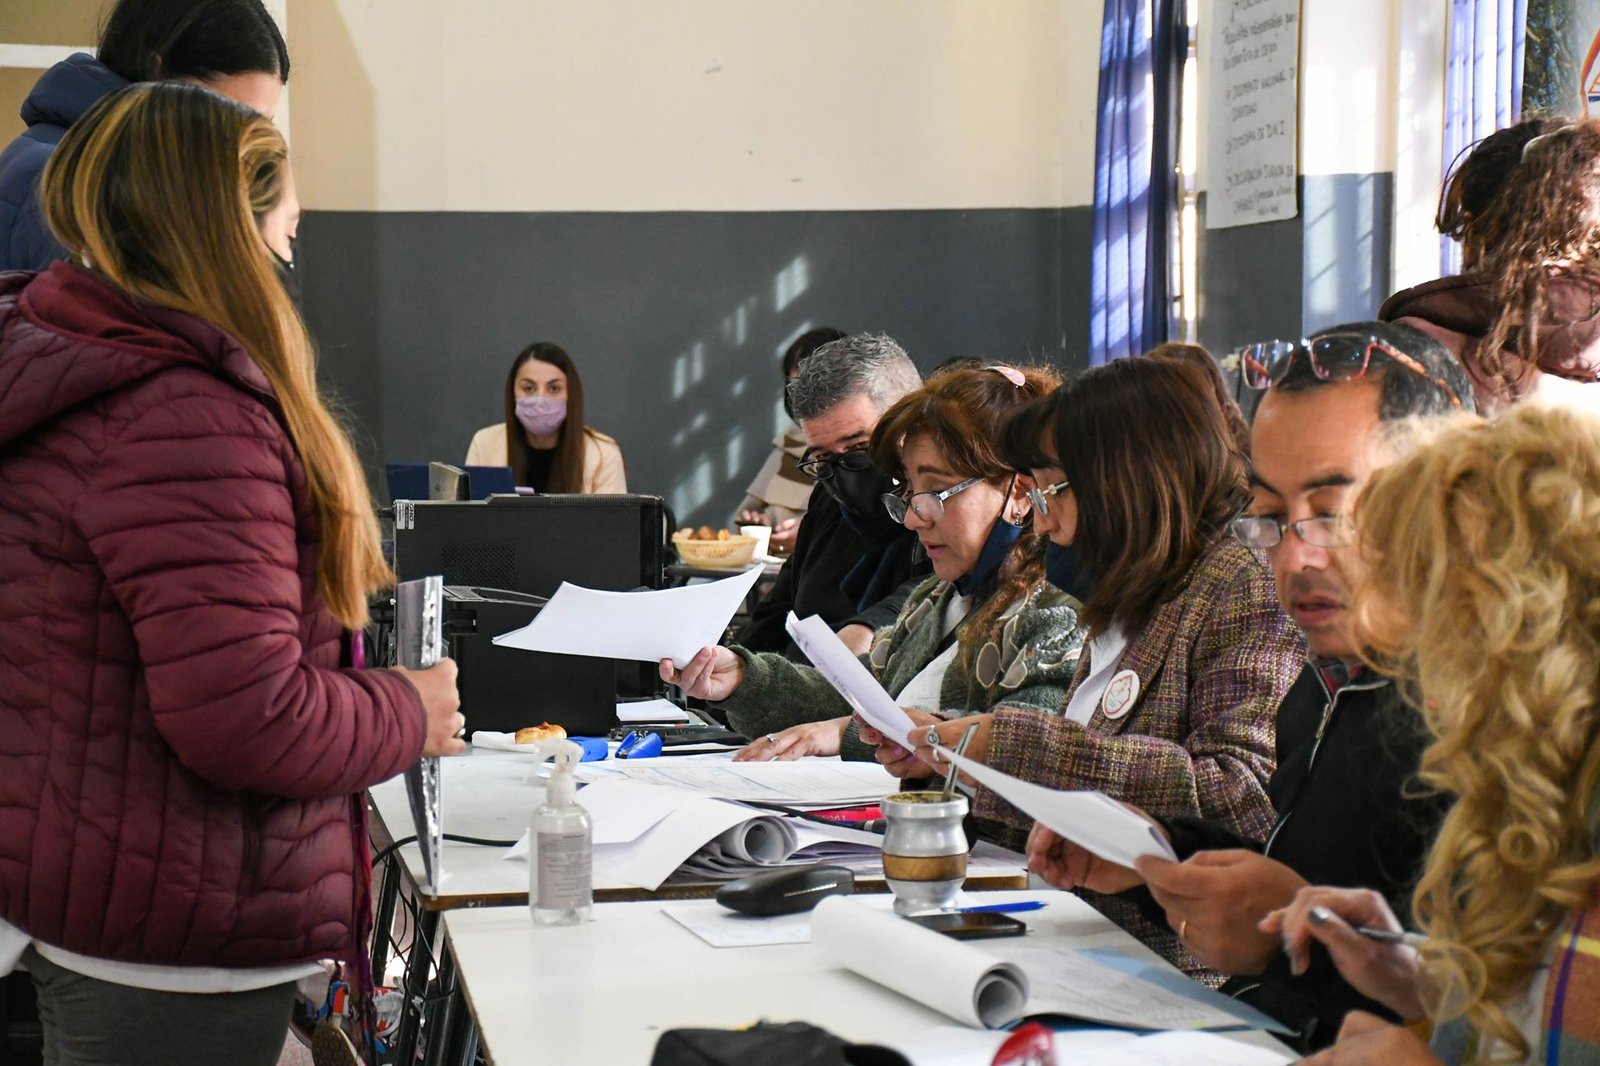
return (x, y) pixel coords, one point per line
(532, 544)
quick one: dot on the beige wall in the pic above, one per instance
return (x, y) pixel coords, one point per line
(622, 105)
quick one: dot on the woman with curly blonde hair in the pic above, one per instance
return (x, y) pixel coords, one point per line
(1484, 596)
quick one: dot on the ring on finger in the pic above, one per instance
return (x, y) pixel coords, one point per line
(932, 737)
(772, 738)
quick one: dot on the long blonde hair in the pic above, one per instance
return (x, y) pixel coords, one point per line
(157, 187)
(1483, 598)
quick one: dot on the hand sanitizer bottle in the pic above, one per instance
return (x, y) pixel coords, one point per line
(560, 840)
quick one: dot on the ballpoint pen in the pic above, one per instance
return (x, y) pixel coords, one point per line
(988, 908)
(1320, 915)
(1410, 940)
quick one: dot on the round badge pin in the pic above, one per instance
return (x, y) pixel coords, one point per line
(1120, 694)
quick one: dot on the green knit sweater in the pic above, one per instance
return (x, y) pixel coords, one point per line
(1028, 665)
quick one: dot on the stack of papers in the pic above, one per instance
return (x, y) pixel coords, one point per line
(804, 783)
(645, 834)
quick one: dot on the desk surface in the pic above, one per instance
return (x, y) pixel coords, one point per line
(604, 992)
(492, 795)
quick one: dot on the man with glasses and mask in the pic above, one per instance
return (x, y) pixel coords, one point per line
(852, 564)
(1347, 745)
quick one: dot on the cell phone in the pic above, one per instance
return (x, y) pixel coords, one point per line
(979, 925)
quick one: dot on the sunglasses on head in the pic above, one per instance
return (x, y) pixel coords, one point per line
(1333, 357)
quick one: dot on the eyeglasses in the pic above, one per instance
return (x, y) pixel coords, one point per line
(1265, 531)
(1334, 357)
(821, 468)
(1041, 497)
(931, 509)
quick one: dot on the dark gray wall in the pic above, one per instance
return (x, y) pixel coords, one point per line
(1286, 279)
(676, 320)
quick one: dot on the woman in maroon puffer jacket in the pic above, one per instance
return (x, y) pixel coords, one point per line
(185, 539)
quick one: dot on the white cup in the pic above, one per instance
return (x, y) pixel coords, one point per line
(763, 535)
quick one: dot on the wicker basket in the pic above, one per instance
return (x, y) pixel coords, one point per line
(727, 554)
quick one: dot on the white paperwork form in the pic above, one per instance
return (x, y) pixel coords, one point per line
(646, 626)
(844, 672)
(1089, 819)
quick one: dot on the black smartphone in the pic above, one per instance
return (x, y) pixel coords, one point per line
(978, 925)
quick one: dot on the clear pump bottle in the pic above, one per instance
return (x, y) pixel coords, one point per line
(561, 846)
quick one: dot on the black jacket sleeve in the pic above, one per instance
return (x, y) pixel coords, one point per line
(885, 611)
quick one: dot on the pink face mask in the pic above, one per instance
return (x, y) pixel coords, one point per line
(541, 415)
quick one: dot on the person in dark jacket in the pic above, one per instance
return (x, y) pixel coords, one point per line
(852, 565)
(1347, 745)
(1525, 205)
(188, 546)
(232, 47)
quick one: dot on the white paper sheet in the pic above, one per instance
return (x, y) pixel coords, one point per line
(1090, 819)
(651, 711)
(953, 978)
(645, 626)
(806, 781)
(1181, 1049)
(1068, 982)
(722, 928)
(844, 672)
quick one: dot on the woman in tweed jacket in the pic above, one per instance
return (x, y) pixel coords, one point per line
(1173, 704)
(985, 630)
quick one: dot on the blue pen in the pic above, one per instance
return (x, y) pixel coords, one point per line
(1003, 908)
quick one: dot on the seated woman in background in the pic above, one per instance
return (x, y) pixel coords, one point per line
(1484, 597)
(544, 439)
(1525, 206)
(1174, 703)
(985, 629)
(780, 493)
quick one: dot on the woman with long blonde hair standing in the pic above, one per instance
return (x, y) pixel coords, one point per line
(187, 543)
(1484, 596)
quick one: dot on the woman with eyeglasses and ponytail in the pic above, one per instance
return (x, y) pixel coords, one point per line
(1187, 654)
(986, 630)
(1524, 315)
(188, 546)
(544, 439)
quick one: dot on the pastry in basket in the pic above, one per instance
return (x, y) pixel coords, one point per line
(538, 734)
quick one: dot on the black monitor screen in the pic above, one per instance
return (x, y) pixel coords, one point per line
(533, 543)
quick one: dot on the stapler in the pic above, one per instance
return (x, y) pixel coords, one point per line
(640, 744)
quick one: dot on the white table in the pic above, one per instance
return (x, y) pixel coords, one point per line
(602, 993)
(491, 796)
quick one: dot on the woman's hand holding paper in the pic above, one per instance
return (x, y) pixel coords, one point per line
(713, 674)
(1066, 865)
(895, 757)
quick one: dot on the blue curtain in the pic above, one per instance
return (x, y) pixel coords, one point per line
(1142, 47)
(1483, 87)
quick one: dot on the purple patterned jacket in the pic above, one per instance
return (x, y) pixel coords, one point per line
(1213, 664)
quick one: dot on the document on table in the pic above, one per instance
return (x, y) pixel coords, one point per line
(953, 978)
(943, 1045)
(721, 928)
(806, 782)
(1092, 820)
(844, 672)
(1078, 984)
(646, 626)
(651, 711)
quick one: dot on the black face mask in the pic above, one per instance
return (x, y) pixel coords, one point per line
(287, 274)
(1063, 568)
(859, 492)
